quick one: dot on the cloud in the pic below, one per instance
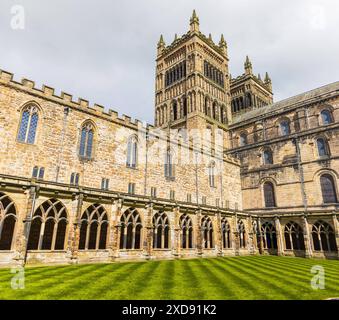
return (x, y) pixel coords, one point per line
(105, 51)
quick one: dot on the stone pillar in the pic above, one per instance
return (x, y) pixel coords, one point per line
(198, 236)
(280, 250)
(33, 195)
(336, 230)
(115, 230)
(307, 237)
(176, 234)
(236, 236)
(74, 234)
(250, 235)
(261, 243)
(218, 234)
(148, 240)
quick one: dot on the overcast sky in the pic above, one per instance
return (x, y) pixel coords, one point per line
(104, 50)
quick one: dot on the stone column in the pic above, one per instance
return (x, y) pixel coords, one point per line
(250, 235)
(336, 230)
(198, 235)
(236, 236)
(115, 230)
(307, 238)
(148, 240)
(261, 244)
(218, 234)
(74, 234)
(176, 234)
(280, 250)
(33, 195)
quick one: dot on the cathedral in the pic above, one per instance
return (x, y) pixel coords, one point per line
(223, 171)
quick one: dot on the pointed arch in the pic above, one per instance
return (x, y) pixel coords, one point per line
(294, 236)
(207, 232)
(87, 132)
(323, 237)
(186, 232)
(131, 228)
(226, 234)
(269, 235)
(28, 126)
(242, 234)
(8, 218)
(161, 231)
(132, 152)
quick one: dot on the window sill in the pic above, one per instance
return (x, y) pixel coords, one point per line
(132, 168)
(170, 178)
(85, 159)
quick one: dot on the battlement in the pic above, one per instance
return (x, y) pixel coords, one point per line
(66, 99)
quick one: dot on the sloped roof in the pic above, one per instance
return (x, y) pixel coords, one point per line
(286, 103)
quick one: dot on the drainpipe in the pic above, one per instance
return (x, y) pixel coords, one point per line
(146, 162)
(196, 177)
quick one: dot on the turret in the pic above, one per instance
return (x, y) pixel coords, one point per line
(223, 45)
(194, 22)
(248, 66)
(161, 45)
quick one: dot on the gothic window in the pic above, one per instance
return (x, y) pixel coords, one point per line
(214, 110)
(160, 231)
(242, 234)
(323, 237)
(294, 237)
(211, 174)
(93, 229)
(269, 195)
(38, 172)
(169, 166)
(326, 117)
(74, 179)
(184, 106)
(226, 234)
(269, 236)
(8, 219)
(132, 152)
(243, 139)
(284, 128)
(207, 232)
(322, 146)
(131, 226)
(268, 156)
(328, 189)
(86, 141)
(28, 124)
(186, 232)
(48, 226)
(175, 110)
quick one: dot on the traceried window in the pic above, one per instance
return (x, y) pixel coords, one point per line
(207, 232)
(269, 236)
(28, 124)
(326, 117)
(328, 189)
(323, 237)
(8, 218)
(48, 226)
(132, 152)
(242, 234)
(130, 231)
(160, 231)
(93, 229)
(294, 236)
(74, 180)
(322, 146)
(86, 141)
(186, 233)
(226, 234)
(38, 172)
(269, 195)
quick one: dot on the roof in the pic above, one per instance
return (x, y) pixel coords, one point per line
(286, 103)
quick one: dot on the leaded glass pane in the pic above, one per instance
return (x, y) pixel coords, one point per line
(23, 126)
(32, 128)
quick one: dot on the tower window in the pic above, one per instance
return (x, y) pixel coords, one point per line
(284, 128)
(268, 157)
(328, 189)
(322, 147)
(326, 117)
(169, 167)
(28, 124)
(269, 195)
(132, 152)
(86, 141)
(243, 139)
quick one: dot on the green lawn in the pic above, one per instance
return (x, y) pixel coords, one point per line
(251, 277)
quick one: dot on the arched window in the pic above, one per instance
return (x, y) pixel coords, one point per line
(175, 110)
(131, 226)
(93, 229)
(169, 166)
(8, 219)
(269, 236)
(268, 156)
(322, 146)
(48, 226)
(326, 117)
(323, 237)
(294, 237)
(207, 232)
(284, 128)
(214, 110)
(132, 152)
(242, 234)
(28, 124)
(226, 234)
(186, 234)
(211, 174)
(243, 139)
(328, 189)
(269, 195)
(160, 231)
(86, 141)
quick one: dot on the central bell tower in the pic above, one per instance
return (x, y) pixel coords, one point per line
(192, 87)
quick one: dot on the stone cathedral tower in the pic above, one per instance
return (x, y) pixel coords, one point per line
(192, 82)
